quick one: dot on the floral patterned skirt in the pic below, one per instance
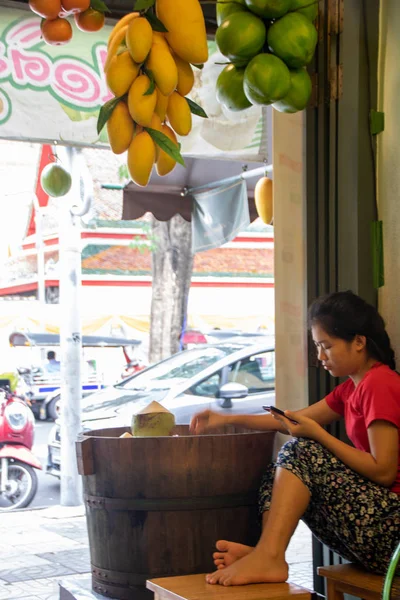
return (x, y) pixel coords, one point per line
(358, 519)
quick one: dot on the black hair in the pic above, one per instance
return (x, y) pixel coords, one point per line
(51, 355)
(345, 315)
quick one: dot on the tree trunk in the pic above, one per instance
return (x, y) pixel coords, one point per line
(172, 264)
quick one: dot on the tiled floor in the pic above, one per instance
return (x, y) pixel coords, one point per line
(38, 548)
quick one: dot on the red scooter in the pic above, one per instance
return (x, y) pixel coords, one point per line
(18, 480)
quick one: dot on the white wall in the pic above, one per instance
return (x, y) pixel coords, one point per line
(290, 260)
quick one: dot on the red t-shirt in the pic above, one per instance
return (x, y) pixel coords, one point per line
(377, 396)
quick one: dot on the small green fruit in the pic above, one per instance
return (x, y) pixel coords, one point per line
(269, 9)
(230, 89)
(293, 38)
(298, 95)
(266, 79)
(226, 8)
(55, 180)
(241, 36)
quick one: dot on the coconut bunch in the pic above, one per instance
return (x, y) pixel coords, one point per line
(149, 71)
(268, 44)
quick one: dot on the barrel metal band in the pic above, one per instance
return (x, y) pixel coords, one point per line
(118, 578)
(172, 504)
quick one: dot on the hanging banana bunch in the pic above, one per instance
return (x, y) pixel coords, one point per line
(149, 70)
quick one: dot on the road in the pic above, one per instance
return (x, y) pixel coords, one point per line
(49, 487)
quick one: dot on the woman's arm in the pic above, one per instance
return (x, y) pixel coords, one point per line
(380, 465)
(319, 412)
(208, 420)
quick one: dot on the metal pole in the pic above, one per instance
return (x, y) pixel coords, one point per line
(186, 191)
(70, 335)
(40, 261)
(258, 172)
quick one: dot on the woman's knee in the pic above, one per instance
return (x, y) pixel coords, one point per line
(296, 448)
(306, 459)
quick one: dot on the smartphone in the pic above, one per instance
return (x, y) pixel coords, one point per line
(279, 412)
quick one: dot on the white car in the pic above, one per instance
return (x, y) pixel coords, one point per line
(236, 376)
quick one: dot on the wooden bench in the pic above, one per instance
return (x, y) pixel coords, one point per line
(351, 579)
(194, 587)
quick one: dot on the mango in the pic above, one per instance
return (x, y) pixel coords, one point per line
(179, 115)
(163, 67)
(161, 105)
(139, 38)
(124, 22)
(263, 198)
(186, 34)
(141, 157)
(154, 420)
(140, 106)
(120, 128)
(114, 46)
(185, 76)
(165, 163)
(121, 73)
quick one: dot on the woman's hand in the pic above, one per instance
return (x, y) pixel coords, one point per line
(305, 426)
(206, 421)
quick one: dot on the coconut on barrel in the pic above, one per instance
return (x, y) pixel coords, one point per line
(153, 420)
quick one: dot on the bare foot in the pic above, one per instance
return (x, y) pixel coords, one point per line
(256, 567)
(229, 552)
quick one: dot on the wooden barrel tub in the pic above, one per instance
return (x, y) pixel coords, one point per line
(155, 506)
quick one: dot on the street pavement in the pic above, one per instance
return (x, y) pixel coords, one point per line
(41, 547)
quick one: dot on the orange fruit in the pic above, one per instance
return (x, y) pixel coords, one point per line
(75, 6)
(56, 32)
(89, 20)
(48, 9)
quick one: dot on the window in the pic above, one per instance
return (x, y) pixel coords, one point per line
(256, 372)
(176, 368)
(208, 387)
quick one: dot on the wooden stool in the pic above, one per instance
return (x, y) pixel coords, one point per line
(351, 579)
(194, 587)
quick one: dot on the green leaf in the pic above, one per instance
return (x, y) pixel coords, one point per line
(155, 22)
(143, 4)
(201, 66)
(106, 112)
(166, 144)
(99, 5)
(152, 85)
(196, 109)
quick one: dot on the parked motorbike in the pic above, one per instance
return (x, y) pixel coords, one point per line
(18, 479)
(133, 366)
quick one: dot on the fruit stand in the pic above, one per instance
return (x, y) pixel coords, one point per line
(324, 164)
